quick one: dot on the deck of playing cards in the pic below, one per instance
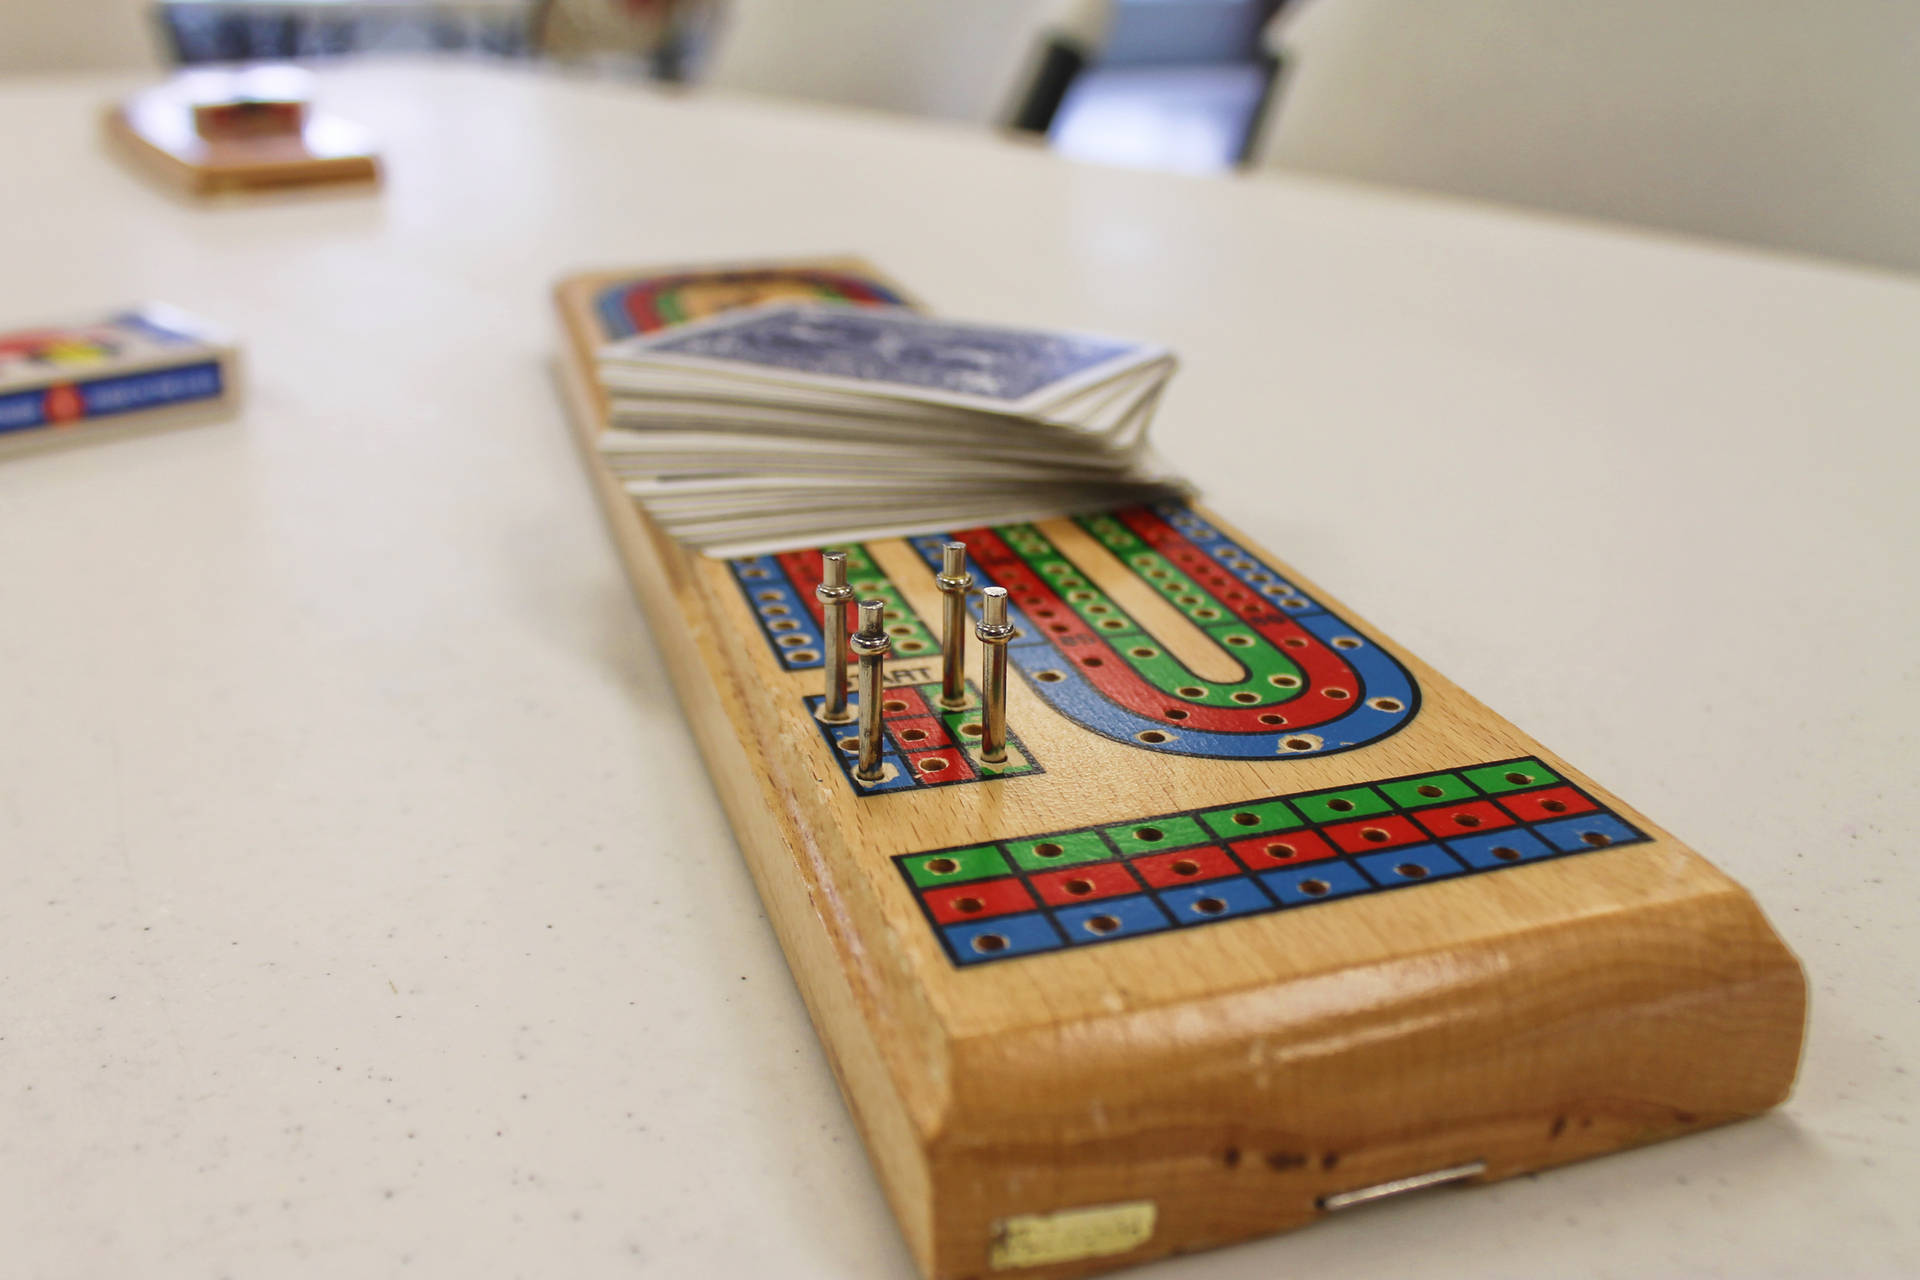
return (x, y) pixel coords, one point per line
(144, 364)
(793, 420)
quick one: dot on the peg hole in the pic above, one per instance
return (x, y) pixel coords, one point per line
(1102, 924)
(989, 943)
(941, 866)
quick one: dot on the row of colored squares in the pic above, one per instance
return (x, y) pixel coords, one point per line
(1448, 804)
(1183, 836)
(1000, 918)
(1068, 885)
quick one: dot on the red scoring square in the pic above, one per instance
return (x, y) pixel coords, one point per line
(1164, 870)
(935, 767)
(978, 901)
(1084, 884)
(921, 733)
(1463, 819)
(910, 705)
(1281, 849)
(1554, 802)
(1383, 832)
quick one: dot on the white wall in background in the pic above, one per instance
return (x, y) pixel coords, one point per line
(74, 35)
(1794, 125)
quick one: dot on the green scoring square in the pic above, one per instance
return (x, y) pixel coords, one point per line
(1497, 778)
(1058, 851)
(1151, 835)
(955, 865)
(1337, 806)
(1251, 819)
(1435, 788)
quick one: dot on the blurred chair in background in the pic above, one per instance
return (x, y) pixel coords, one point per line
(1182, 84)
(1005, 62)
(1789, 125)
(76, 35)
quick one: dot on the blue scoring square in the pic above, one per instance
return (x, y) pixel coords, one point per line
(1336, 880)
(1481, 851)
(979, 940)
(1215, 900)
(1424, 861)
(1127, 918)
(1570, 835)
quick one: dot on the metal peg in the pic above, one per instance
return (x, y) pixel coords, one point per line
(993, 631)
(833, 594)
(954, 582)
(871, 645)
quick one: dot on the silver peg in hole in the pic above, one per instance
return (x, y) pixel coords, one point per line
(871, 644)
(954, 582)
(833, 593)
(993, 631)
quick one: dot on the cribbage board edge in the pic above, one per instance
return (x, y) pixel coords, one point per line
(949, 1118)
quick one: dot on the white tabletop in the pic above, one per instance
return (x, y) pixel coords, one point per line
(364, 909)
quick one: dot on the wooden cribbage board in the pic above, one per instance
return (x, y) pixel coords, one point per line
(1174, 980)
